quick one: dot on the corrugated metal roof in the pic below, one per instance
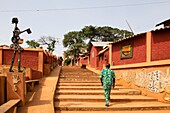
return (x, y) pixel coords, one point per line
(100, 44)
(141, 34)
(167, 27)
(164, 22)
(128, 37)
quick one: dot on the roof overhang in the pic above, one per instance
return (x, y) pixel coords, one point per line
(102, 51)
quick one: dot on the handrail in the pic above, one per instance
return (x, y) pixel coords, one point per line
(8, 105)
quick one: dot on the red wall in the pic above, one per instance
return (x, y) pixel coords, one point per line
(95, 59)
(29, 59)
(138, 54)
(160, 45)
(105, 59)
(45, 58)
(106, 56)
(84, 61)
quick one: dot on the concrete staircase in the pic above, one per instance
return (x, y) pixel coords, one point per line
(80, 90)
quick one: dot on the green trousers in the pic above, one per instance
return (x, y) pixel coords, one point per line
(107, 93)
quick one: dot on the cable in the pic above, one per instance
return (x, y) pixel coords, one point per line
(97, 7)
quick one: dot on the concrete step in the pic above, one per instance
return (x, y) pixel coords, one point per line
(118, 106)
(81, 84)
(77, 71)
(100, 98)
(80, 76)
(86, 87)
(99, 92)
(79, 81)
(117, 111)
(80, 91)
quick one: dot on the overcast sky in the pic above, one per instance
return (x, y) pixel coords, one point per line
(58, 17)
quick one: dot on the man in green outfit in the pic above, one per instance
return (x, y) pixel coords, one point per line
(107, 77)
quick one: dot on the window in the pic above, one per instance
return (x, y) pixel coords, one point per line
(93, 54)
(126, 51)
(100, 58)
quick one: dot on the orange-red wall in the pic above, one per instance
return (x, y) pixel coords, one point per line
(94, 60)
(29, 59)
(105, 59)
(139, 51)
(160, 45)
(84, 61)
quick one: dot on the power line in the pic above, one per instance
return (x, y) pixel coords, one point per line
(84, 8)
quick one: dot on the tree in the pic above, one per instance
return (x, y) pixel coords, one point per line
(72, 38)
(32, 43)
(89, 32)
(104, 33)
(49, 41)
(67, 61)
(74, 42)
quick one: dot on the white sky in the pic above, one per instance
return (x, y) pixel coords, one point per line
(58, 17)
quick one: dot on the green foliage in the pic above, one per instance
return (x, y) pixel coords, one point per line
(74, 42)
(72, 38)
(89, 32)
(104, 33)
(32, 44)
(67, 61)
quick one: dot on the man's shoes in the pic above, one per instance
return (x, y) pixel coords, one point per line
(107, 103)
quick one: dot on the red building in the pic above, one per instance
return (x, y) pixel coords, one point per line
(140, 62)
(136, 50)
(103, 56)
(83, 59)
(96, 48)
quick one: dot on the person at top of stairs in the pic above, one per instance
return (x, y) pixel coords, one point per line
(107, 77)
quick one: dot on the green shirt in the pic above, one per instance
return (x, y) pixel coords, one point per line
(107, 76)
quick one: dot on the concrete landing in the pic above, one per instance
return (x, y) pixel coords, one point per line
(41, 99)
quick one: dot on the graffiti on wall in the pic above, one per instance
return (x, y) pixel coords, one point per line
(158, 81)
(141, 79)
(155, 81)
(154, 84)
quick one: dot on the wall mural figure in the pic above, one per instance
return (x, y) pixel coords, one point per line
(154, 81)
(158, 81)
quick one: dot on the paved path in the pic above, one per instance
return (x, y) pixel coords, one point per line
(41, 100)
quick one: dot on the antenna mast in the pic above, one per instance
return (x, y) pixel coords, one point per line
(129, 27)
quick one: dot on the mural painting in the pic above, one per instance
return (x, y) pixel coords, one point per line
(155, 81)
(141, 79)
